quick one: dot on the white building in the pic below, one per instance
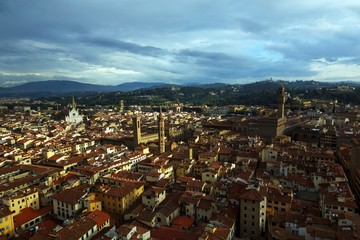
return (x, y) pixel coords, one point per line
(74, 116)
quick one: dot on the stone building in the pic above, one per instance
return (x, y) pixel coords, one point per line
(267, 127)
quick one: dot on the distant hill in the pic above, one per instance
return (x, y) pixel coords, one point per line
(131, 86)
(55, 86)
(210, 85)
(271, 85)
(63, 87)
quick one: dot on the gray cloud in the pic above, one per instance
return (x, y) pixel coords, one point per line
(124, 46)
(113, 41)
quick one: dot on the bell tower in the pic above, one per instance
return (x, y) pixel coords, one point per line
(121, 106)
(137, 130)
(161, 134)
(281, 102)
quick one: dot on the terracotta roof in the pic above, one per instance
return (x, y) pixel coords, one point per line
(76, 230)
(28, 214)
(71, 196)
(99, 217)
(182, 222)
(154, 191)
(252, 194)
(167, 233)
(4, 211)
(48, 225)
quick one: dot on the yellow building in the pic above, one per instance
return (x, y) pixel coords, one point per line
(278, 200)
(21, 200)
(6, 222)
(118, 199)
(93, 203)
(184, 167)
(210, 176)
(209, 156)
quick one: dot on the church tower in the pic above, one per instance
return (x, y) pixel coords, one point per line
(121, 106)
(137, 130)
(161, 139)
(281, 102)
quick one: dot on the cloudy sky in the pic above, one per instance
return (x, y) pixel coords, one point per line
(233, 41)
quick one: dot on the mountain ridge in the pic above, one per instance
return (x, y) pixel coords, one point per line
(65, 87)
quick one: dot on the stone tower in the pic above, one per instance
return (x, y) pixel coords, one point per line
(161, 125)
(137, 130)
(281, 102)
(121, 106)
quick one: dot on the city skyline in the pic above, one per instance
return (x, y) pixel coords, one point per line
(111, 42)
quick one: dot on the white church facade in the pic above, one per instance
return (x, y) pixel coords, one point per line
(74, 116)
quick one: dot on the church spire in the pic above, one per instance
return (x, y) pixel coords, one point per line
(73, 103)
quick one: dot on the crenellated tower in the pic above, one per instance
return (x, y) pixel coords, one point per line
(281, 102)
